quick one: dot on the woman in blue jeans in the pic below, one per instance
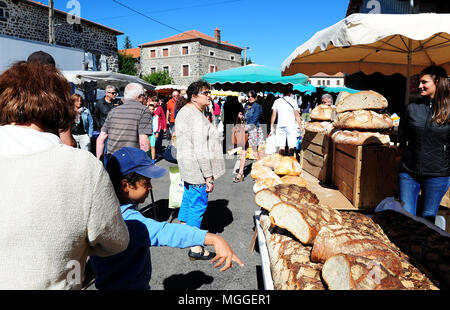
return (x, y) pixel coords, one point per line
(425, 139)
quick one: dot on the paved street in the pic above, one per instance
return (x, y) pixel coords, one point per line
(230, 213)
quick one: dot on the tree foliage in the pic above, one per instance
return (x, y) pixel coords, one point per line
(158, 78)
(127, 65)
(127, 43)
(249, 61)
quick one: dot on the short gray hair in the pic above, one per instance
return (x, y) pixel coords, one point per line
(328, 97)
(109, 87)
(133, 91)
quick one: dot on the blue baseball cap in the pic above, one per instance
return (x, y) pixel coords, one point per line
(131, 159)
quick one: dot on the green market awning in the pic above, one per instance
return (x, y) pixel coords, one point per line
(254, 77)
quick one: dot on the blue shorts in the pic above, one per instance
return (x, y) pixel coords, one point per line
(193, 204)
(152, 140)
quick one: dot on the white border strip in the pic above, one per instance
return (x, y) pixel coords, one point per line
(265, 260)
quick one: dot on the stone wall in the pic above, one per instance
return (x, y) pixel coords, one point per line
(198, 59)
(27, 21)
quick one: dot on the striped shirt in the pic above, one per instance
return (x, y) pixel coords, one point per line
(125, 123)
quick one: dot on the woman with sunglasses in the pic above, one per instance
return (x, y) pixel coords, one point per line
(200, 159)
(425, 139)
(252, 116)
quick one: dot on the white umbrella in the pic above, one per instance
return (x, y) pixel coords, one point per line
(385, 43)
(104, 78)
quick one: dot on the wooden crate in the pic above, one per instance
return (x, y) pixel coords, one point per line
(365, 174)
(316, 155)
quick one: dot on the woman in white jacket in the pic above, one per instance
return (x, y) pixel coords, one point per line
(57, 203)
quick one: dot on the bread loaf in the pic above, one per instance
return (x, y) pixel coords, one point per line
(320, 127)
(350, 272)
(290, 266)
(411, 277)
(259, 171)
(336, 239)
(363, 100)
(271, 160)
(423, 244)
(290, 193)
(290, 179)
(269, 181)
(341, 96)
(363, 119)
(288, 165)
(359, 138)
(303, 220)
(322, 112)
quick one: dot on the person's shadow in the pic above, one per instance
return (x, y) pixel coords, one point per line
(189, 281)
(217, 216)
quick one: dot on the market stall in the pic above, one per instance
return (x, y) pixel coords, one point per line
(369, 43)
(307, 243)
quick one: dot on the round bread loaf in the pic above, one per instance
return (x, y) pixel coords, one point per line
(320, 127)
(363, 119)
(359, 138)
(322, 112)
(363, 100)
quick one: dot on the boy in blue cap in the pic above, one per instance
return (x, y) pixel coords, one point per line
(130, 170)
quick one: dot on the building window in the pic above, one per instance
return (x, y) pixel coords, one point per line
(77, 28)
(152, 53)
(213, 68)
(232, 58)
(318, 82)
(3, 11)
(166, 69)
(328, 82)
(185, 50)
(153, 70)
(211, 53)
(338, 82)
(185, 70)
(165, 52)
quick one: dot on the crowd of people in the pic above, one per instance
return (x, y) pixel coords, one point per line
(53, 215)
(65, 215)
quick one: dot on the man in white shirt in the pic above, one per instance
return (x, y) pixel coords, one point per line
(287, 110)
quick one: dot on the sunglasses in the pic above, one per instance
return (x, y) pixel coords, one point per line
(112, 92)
(206, 93)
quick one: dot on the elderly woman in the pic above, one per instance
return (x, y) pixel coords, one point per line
(200, 159)
(57, 203)
(425, 139)
(83, 125)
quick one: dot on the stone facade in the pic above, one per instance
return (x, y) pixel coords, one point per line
(29, 20)
(202, 57)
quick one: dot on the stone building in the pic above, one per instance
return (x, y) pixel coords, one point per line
(29, 20)
(189, 55)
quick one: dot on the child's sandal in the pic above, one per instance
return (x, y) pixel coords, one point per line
(238, 178)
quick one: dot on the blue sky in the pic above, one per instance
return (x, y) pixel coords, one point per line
(272, 29)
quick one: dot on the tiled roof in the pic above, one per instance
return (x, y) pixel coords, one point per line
(133, 52)
(186, 36)
(321, 74)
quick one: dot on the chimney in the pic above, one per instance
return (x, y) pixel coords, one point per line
(217, 35)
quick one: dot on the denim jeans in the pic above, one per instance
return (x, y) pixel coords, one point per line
(193, 204)
(433, 190)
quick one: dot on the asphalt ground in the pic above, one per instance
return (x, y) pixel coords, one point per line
(230, 213)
